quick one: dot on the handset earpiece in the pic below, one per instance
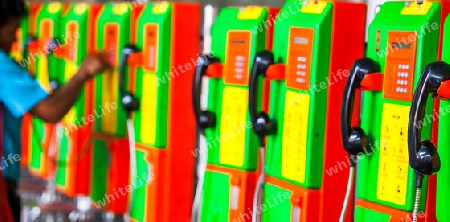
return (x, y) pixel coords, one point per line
(262, 125)
(128, 100)
(423, 155)
(205, 119)
(354, 138)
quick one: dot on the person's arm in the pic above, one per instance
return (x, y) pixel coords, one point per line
(20, 93)
(53, 108)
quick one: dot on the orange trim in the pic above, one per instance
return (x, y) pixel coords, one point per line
(373, 82)
(60, 52)
(48, 137)
(284, 184)
(92, 23)
(444, 90)
(33, 46)
(396, 215)
(276, 72)
(246, 182)
(103, 136)
(271, 16)
(135, 59)
(134, 15)
(214, 70)
(308, 200)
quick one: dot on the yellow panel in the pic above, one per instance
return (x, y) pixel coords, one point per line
(296, 112)
(43, 73)
(160, 8)
(17, 56)
(70, 69)
(16, 53)
(110, 94)
(393, 164)
(148, 109)
(54, 7)
(314, 8)
(46, 27)
(250, 12)
(414, 9)
(81, 8)
(234, 116)
(120, 9)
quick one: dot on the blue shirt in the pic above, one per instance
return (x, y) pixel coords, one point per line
(19, 92)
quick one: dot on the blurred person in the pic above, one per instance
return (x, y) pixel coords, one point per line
(20, 93)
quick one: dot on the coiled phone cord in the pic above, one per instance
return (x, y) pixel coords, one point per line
(133, 170)
(258, 196)
(419, 178)
(347, 194)
(203, 156)
(416, 205)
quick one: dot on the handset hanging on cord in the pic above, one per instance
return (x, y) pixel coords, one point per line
(130, 104)
(261, 122)
(204, 120)
(423, 155)
(354, 138)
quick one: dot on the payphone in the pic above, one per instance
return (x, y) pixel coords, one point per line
(160, 68)
(46, 68)
(20, 52)
(308, 71)
(74, 131)
(238, 33)
(110, 182)
(403, 38)
(423, 156)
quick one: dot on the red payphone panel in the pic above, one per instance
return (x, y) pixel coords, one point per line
(150, 53)
(400, 61)
(238, 55)
(298, 65)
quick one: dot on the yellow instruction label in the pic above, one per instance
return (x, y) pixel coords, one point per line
(295, 129)
(233, 122)
(110, 95)
(393, 163)
(148, 109)
(43, 78)
(70, 69)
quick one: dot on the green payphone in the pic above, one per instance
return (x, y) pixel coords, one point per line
(403, 38)
(230, 178)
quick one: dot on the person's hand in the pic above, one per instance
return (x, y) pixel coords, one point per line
(94, 64)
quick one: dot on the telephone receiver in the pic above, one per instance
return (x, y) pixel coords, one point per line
(205, 119)
(128, 100)
(54, 84)
(261, 122)
(423, 155)
(354, 138)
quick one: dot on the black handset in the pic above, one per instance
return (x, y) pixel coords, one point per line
(354, 138)
(54, 84)
(423, 156)
(262, 125)
(205, 119)
(129, 102)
